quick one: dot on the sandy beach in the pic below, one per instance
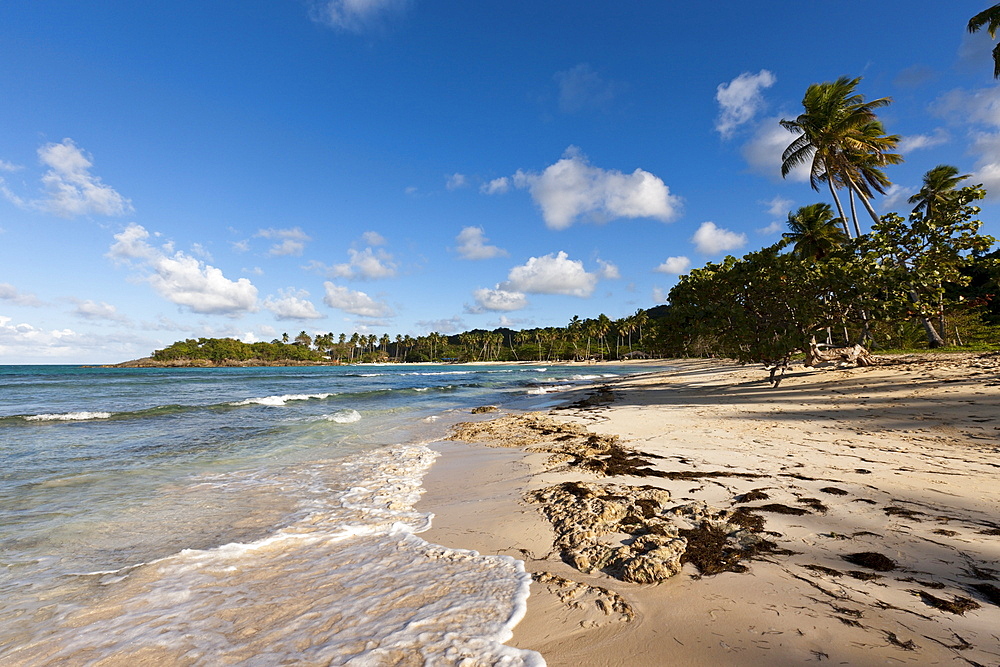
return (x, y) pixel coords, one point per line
(703, 517)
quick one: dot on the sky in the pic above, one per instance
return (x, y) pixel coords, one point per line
(249, 168)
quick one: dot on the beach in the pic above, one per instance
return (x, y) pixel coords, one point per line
(848, 515)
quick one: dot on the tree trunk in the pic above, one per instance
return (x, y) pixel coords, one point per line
(934, 339)
(836, 200)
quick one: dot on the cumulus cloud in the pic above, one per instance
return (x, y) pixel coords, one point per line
(497, 299)
(978, 111)
(896, 196)
(456, 181)
(740, 100)
(93, 310)
(572, 188)
(356, 15)
(355, 303)
(608, 271)
(778, 207)
(292, 304)
(763, 151)
(772, 228)
(70, 189)
(373, 238)
(674, 265)
(583, 89)
(12, 295)
(23, 342)
(916, 142)
(181, 278)
(497, 186)
(289, 241)
(367, 264)
(711, 239)
(551, 274)
(472, 244)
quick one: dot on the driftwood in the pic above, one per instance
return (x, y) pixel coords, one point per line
(857, 355)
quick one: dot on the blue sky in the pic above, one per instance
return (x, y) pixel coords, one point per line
(251, 167)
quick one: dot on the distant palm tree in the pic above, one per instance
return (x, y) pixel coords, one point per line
(991, 19)
(842, 141)
(939, 186)
(814, 232)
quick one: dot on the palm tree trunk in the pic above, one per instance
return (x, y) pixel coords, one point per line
(840, 209)
(854, 215)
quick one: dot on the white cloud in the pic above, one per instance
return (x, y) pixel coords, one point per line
(711, 239)
(10, 293)
(240, 246)
(292, 304)
(92, 310)
(659, 295)
(183, 279)
(674, 265)
(916, 142)
(763, 151)
(364, 264)
(583, 89)
(608, 271)
(356, 303)
(356, 15)
(772, 228)
(498, 299)
(9, 166)
(71, 189)
(497, 186)
(373, 238)
(446, 326)
(291, 241)
(778, 207)
(571, 188)
(456, 181)
(25, 343)
(740, 100)
(979, 111)
(551, 274)
(472, 245)
(897, 195)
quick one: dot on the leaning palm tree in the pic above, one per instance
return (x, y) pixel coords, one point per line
(842, 141)
(991, 19)
(814, 232)
(939, 186)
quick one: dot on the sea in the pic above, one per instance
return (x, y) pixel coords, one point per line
(248, 516)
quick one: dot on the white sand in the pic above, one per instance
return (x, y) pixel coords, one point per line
(914, 447)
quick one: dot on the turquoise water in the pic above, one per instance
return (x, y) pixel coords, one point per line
(196, 516)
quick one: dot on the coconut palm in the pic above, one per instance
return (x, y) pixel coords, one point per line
(842, 141)
(814, 232)
(991, 19)
(939, 186)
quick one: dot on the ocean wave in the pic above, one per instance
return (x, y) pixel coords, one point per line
(278, 401)
(343, 417)
(68, 417)
(549, 389)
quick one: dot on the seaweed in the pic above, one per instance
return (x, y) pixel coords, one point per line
(752, 496)
(814, 503)
(824, 570)
(778, 508)
(958, 605)
(872, 560)
(988, 591)
(908, 645)
(990, 531)
(863, 576)
(927, 584)
(833, 491)
(849, 621)
(746, 519)
(945, 532)
(903, 512)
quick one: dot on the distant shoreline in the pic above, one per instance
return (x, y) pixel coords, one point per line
(148, 362)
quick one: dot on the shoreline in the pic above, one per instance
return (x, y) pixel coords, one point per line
(898, 460)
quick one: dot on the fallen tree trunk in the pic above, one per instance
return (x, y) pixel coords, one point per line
(857, 355)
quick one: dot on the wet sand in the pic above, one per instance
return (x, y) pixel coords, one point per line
(704, 517)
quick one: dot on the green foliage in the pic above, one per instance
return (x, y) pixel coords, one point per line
(222, 350)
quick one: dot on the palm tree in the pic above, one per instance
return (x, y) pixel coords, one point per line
(842, 141)
(815, 232)
(991, 19)
(939, 186)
